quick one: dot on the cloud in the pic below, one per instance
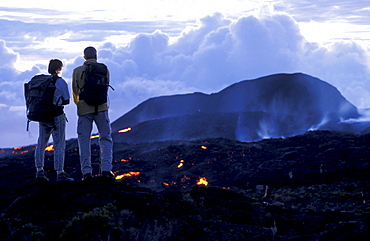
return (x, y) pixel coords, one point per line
(8, 56)
(213, 53)
(18, 110)
(12, 103)
(220, 51)
(3, 106)
(302, 10)
(128, 10)
(7, 60)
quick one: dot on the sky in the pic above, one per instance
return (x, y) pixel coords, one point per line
(166, 47)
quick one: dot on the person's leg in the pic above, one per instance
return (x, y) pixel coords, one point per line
(105, 140)
(84, 128)
(59, 148)
(59, 142)
(45, 130)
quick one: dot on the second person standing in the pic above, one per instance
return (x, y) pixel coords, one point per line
(89, 110)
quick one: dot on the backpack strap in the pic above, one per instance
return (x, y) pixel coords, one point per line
(28, 124)
(82, 75)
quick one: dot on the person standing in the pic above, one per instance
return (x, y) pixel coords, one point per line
(87, 114)
(56, 128)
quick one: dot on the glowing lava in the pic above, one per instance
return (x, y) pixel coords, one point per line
(94, 136)
(202, 181)
(125, 130)
(18, 148)
(129, 174)
(180, 164)
(49, 148)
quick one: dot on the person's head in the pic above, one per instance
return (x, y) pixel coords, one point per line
(55, 67)
(90, 53)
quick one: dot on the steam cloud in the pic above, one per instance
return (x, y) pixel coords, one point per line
(215, 53)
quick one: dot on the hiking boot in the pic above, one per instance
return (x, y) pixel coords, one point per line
(87, 177)
(108, 174)
(64, 177)
(40, 176)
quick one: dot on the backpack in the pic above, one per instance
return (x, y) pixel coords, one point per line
(96, 83)
(39, 95)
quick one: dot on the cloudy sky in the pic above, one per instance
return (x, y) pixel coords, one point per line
(165, 47)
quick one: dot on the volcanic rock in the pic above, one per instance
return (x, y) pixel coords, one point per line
(307, 187)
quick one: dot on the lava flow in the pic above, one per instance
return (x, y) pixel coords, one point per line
(125, 130)
(129, 174)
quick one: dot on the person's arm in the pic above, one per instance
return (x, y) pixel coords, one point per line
(62, 93)
(75, 90)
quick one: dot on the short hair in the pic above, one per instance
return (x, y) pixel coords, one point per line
(54, 66)
(90, 53)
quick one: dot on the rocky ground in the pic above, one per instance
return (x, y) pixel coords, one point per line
(308, 187)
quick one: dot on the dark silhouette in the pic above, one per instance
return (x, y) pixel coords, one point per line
(89, 114)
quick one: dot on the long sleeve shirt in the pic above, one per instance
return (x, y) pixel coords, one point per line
(77, 83)
(61, 94)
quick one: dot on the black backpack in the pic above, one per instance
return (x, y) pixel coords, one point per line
(39, 95)
(96, 83)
